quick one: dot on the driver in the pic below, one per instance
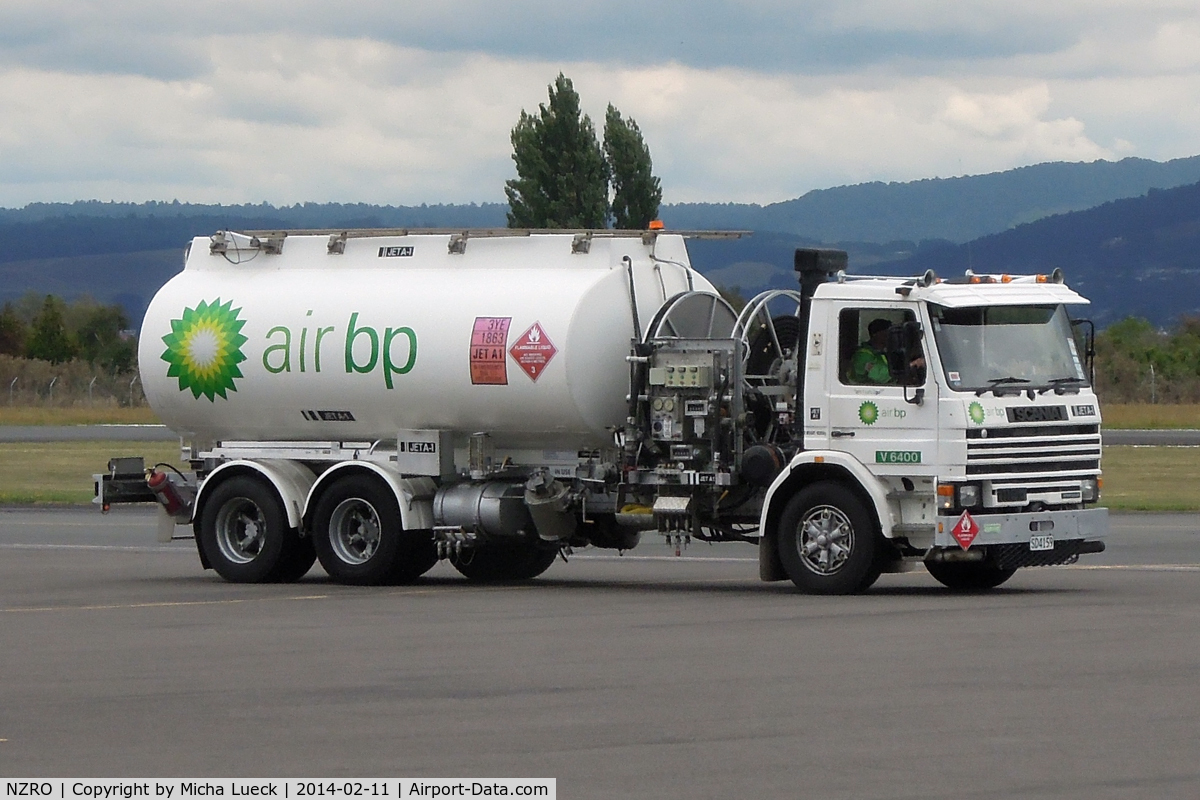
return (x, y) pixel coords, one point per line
(869, 364)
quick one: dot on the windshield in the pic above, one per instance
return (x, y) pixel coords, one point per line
(1007, 347)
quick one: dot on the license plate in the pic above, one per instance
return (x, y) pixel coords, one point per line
(1042, 542)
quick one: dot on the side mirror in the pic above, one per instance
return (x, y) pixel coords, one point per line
(1084, 329)
(904, 348)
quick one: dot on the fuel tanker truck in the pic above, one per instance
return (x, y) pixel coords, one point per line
(379, 400)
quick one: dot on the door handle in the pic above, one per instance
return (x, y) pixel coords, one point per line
(842, 434)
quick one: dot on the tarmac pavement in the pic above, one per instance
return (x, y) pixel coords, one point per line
(635, 676)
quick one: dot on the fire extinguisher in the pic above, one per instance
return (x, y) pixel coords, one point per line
(166, 492)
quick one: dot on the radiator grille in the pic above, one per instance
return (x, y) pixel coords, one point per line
(1017, 453)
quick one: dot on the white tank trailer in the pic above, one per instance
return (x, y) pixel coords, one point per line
(380, 399)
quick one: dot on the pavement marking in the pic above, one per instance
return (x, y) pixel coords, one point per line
(111, 522)
(108, 547)
(162, 604)
(236, 601)
(1138, 567)
(688, 559)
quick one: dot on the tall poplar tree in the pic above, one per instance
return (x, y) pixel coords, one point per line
(562, 176)
(636, 192)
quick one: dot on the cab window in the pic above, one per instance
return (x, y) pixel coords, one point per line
(862, 342)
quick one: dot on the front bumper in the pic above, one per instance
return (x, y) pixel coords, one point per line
(1090, 524)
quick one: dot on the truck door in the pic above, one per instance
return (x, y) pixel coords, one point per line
(869, 415)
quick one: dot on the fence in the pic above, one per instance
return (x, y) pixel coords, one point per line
(27, 382)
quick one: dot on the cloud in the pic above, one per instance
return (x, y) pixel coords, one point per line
(413, 102)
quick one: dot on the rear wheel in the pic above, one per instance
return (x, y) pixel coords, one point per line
(517, 561)
(245, 535)
(969, 576)
(359, 538)
(828, 542)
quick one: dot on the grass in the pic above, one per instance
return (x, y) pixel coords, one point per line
(78, 415)
(1144, 416)
(1135, 478)
(1151, 478)
(60, 473)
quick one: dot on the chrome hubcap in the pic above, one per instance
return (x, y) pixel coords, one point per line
(826, 539)
(241, 531)
(354, 531)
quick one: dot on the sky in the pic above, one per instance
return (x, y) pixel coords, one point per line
(403, 102)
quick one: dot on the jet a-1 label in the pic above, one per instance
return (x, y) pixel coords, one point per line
(489, 340)
(328, 416)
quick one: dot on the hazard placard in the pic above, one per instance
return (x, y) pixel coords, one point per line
(965, 530)
(489, 338)
(533, 351)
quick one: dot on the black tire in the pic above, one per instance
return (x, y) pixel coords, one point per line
(304, 555)
(359, 538)
(969, 576)
(245, 535)
(828, 542)
(519, 561)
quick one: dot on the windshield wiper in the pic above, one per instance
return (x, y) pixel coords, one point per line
(995, 382)
(1064, 385)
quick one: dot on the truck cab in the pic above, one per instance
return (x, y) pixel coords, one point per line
(974, 448)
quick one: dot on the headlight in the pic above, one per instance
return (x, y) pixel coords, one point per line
(968, 495)
(1091, 490)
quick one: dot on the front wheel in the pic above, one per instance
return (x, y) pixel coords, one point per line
(968, 576)
(828, 541)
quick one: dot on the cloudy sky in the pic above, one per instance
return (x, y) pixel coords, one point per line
(404, 102)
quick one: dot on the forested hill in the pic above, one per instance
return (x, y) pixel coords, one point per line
(1133, 257)
(955, 209)
(301, 215)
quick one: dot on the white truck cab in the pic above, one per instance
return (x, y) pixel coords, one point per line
(979, 452)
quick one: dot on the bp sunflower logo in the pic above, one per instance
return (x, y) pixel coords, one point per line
(204, 349)
(975, 412)
(868, 412)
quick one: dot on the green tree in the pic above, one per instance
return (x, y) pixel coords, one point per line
(100, 331)
(13, 331)
(100, 337)
(636, 192)
(48, 339)
(562, 177)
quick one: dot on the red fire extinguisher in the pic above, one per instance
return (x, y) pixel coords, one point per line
(167, 493)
